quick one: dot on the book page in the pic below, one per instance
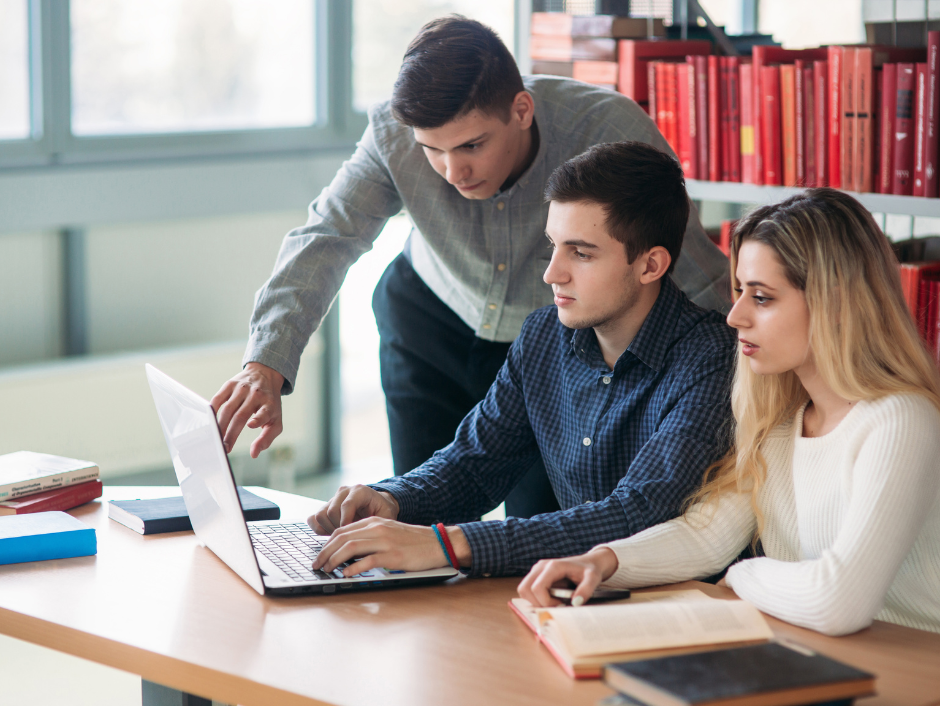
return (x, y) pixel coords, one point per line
(536, 617)
(653, 625)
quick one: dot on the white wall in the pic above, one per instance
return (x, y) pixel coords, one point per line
(30, 297)
(179, 282)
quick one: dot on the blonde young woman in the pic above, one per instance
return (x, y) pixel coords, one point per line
(836, 460)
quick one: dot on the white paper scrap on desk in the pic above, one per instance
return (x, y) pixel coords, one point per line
(656, 624)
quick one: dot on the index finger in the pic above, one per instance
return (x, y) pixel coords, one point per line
(237, 396)
(222, 395)
(554, 571)
(336, 541)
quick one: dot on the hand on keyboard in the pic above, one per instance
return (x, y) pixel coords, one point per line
(351, 504)
(379, 542)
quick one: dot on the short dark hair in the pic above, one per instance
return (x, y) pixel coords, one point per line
(453, 66)
(641, 189)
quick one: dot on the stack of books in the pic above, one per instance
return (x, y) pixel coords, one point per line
(33, 482)
(684, 648)
(861, 118)
(593, 48)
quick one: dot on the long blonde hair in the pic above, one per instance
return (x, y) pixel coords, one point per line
(862, 336)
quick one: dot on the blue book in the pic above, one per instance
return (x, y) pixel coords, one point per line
(44, 535)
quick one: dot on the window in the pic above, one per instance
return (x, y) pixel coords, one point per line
(383, 29)
(14, 70)
(105, 81)
(142, 66)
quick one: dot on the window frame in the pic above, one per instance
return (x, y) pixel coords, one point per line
(52, 143)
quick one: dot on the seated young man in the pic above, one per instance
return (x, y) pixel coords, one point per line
(622, 387)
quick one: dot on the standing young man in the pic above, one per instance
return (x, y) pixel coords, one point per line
(622, 388)
(465, 146)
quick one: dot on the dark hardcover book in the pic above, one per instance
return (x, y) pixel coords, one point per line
(158, 515)
(769, 674)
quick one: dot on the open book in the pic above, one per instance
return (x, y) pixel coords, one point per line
(644, 626)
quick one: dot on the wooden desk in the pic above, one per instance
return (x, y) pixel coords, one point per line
(169, 610)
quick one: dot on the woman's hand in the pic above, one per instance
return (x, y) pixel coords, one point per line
(587, 571)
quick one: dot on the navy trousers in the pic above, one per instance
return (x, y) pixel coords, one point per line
(434, 370)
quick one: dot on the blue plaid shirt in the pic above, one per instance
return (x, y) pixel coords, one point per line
(622, 448)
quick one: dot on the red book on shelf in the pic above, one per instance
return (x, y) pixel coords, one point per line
(714, 121)
(653, 104)
(788, 122)
(920, 126)
(927, 309)
(820, 120)
(863, 150)
(889, 108)
(734, 119)
(912, 274)
(847, 124)
(701, 113)
(633, 55)
(763, 55)
(770, 124)
(799, 133)
(932, 144)
(876, 121)
(669, 97)
(688, 148)
(835, 117)
(809, 131)
(935, 298)
(724, 118)
(724, 239)
(746, 84)
(903, 159)
(57, 499)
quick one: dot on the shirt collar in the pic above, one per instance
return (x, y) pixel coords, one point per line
(658, 331)
(651, 342)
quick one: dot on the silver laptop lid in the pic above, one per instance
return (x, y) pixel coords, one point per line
(204, 474)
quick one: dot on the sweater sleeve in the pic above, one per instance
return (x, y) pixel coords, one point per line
(700, 543)
(894, 485)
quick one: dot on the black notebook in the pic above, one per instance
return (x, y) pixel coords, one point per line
(769, 674)
(169, 514)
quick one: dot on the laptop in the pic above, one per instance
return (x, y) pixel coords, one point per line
(272, 557)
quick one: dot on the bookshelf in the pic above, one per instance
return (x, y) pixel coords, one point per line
(734, 192)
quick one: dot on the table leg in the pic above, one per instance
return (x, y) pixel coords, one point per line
(159, 695)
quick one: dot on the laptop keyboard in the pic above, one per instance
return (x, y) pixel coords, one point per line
(292, 547)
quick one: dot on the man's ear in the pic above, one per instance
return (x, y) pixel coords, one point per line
(656, 262)
(523, 109)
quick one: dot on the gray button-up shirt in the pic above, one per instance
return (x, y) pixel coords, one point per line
(484, 259)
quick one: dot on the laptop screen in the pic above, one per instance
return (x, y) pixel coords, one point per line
(204, 474)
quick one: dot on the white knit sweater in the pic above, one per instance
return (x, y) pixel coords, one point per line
(851, 525)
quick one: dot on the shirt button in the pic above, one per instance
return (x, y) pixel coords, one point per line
(501, 205)
(487, 326)
(606, 379)
(492, 306)
(501, 266)
(586, 441)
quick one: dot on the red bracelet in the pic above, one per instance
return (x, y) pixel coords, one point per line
(452, 555)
